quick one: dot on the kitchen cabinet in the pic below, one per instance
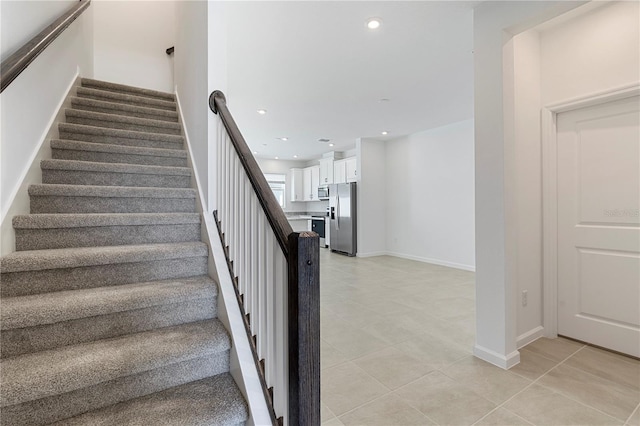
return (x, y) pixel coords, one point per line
(326, 171)
(297, 185)
(311, 179)
(345, 170)
(304, 184)
(350, 168)
(339, 172)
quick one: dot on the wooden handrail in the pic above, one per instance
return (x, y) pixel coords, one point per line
(20, 60)
(276, 217)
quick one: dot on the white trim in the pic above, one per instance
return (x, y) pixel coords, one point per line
(550, 193)
(530, 336)
(596, 98)
(242, 365)
(499, 360)
(372, 254)
(188, 143)
(446, 263)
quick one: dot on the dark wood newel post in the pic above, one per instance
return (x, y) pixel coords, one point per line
(304, 329)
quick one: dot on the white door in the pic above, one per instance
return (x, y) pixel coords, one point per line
(598, 151)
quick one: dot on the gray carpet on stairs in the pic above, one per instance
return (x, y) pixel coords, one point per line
(108, 316)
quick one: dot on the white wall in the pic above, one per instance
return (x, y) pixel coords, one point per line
(130, 41)
(192, 84)
(371, 197)
(495, 23)
(22, 20)
(29, 105)
(430, 196)
(595, 49)
(592, 52)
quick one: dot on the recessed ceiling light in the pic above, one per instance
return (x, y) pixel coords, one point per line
(374, 23)
(284, 139)
(277, 158)
(262, 111)
(330, 144)
(385, 132)
(295, 156)
(255, 152)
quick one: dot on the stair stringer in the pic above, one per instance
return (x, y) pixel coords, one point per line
(19, 200)
(242, 365)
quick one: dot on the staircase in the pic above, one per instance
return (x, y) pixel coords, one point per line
(108, 315)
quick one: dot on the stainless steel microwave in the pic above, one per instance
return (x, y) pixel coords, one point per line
(323, 192)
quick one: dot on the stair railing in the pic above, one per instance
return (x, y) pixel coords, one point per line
(276, 275)
(13, 66)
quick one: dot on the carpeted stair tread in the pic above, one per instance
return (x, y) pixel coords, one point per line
(42, 374)
(211, 401)
(70, 128)
(84, 220)
(114, 121)
(38, 260)
(91, 166)
(117, 149)
(127, 99)
(87, 104)
(49, 308)
(109, 191)
(122, 88)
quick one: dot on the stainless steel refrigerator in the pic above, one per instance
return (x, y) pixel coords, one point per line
(342, 218)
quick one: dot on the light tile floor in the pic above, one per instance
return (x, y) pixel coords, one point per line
(396, 350)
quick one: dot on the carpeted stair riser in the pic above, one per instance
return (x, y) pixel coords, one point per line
(39, 239)
(59, 407)
(125, 110)
(109, 199)
(100, 153)
(122, 88)
(44, 281)
(52, 231)
(50, 336)
(35, 282)
(110, 121)
(81, 177)
(131, 100)
(212, 401)
(102, 135)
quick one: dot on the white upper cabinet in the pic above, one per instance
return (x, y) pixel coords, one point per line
(304, 184)
(350, 168)
(315, 181)
(297, 185)
(345, 170)
(326, 171)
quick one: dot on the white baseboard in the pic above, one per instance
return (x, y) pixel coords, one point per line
(503, 361)
(371, 254)
(530, 336)
(433, 261)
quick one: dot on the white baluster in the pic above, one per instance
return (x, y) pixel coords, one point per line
(261, 278)
(271, 297)
(246, 248)
(280, 321)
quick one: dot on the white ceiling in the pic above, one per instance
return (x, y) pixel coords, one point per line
(320, 73)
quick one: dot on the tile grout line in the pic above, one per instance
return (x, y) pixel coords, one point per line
(535, 382)
(632, 413)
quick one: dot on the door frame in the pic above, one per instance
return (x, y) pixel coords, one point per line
(549, 115)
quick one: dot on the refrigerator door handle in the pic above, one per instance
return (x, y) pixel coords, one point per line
(338, 214)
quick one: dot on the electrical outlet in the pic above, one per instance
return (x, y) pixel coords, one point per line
(525, 293)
